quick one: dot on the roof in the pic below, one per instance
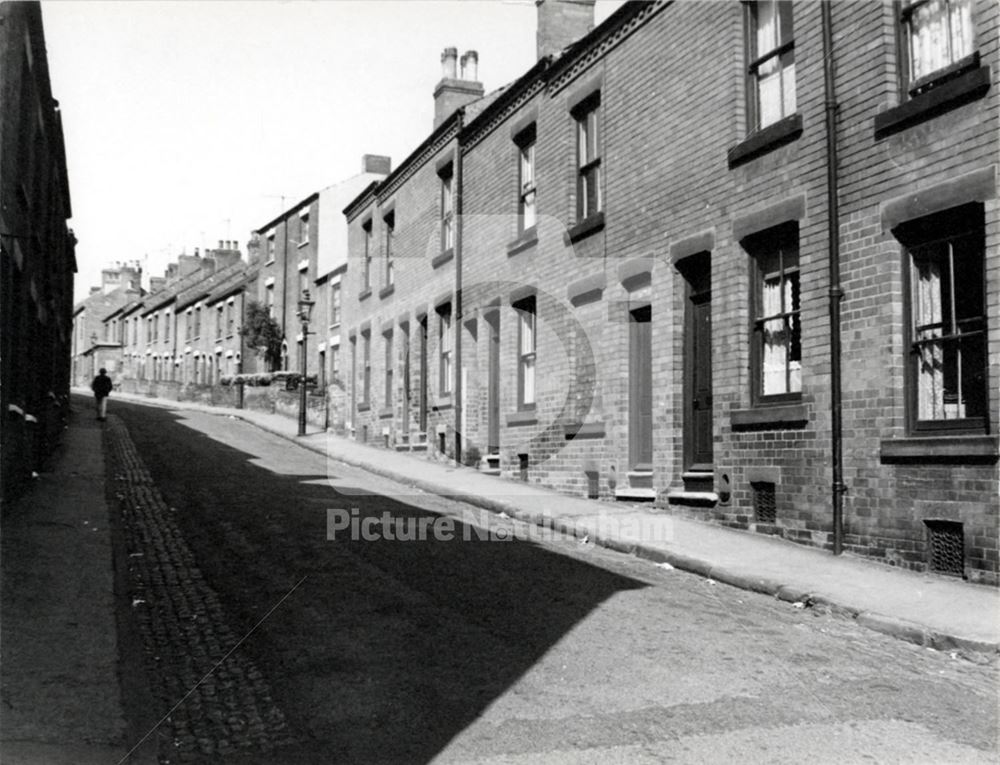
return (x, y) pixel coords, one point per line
(170, 293)
(207, 284)
(230, 284)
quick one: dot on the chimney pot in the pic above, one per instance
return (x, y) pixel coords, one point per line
(452, 93)
(470, 66)
(448, 58)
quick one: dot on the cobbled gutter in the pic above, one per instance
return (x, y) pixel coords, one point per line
(184, 629)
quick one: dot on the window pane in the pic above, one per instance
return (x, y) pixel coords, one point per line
(775, 357)
(528, 375)
(788, 105)
(593, 152)
(961, 29)
(593, 185)
(527, 167)
(769, 92)
(929, 38)
(767, 27)
(528, 209)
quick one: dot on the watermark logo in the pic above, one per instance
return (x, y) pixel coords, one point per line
(353, 525)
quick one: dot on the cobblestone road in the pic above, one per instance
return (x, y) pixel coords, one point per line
(214, 699)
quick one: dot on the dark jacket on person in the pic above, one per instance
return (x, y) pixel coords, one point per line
(101, 386)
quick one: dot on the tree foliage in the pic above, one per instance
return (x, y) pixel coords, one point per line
(262, 334)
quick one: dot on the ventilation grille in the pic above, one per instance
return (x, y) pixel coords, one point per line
(947, 547)
(764, 509)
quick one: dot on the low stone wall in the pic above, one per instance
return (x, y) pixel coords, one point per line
(286, 403)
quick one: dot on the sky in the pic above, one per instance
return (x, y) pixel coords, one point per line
(190, 122)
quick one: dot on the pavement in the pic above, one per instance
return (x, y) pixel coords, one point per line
(60, 697)
(926, 609)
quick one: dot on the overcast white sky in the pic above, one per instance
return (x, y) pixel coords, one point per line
(186, 122)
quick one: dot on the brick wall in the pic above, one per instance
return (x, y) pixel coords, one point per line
(670, 191)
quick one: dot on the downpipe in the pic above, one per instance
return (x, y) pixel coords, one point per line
(836, 292)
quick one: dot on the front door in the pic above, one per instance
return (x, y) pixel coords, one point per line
(422, 394)
(406, 379)
(493, 389)
(640, 389)
(698, 364)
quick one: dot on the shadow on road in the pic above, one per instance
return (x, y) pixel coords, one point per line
(388, 649)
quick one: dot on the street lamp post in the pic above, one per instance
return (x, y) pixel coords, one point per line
(305, 311)
(93, 354)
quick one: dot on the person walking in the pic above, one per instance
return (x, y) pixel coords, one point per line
(102, 389)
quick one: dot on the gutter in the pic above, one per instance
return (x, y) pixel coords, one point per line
(836, 292)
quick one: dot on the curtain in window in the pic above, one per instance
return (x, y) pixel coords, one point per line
(775, 354)
(930, 366)
(940, 34)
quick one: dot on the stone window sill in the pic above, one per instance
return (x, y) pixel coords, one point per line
(589, 225)
(443, 404)
(770, 138)
(365, 293)
(364, 407)
(939, 99)
(443, 258)
(526, 417)
(386, 291)
(975, 448)
(574, 430)
(385, 413)
(783, 416)
(527, 238)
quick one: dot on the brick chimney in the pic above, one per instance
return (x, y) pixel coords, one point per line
(454, 91)
(188, 264)
(376, 163)
(157, 283)
(561, 23)
(172, 273)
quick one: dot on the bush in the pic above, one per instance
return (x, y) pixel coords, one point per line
(472, 457)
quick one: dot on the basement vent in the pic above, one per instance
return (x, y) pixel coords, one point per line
(946, 547)
(764, 507)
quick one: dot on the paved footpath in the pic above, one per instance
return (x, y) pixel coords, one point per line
(926, 609)
(60, 698)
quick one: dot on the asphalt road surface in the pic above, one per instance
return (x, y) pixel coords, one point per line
(249, 636)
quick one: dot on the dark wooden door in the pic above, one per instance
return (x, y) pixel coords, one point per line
(422, 396)
(641, 389)
(493, 388)
(698, 436)
(406, 379)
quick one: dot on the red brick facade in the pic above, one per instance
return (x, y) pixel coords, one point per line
(702, 218)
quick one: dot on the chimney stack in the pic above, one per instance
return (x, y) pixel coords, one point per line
(561, 23)
(453, 92)
(157, 283)
(376, 163)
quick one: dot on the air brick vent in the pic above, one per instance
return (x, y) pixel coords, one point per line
(764, 507)
(946, 547)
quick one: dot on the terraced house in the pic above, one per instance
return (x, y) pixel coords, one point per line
(754, 280)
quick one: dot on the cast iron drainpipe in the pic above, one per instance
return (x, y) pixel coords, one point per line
(836, 292)
(457, 327)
